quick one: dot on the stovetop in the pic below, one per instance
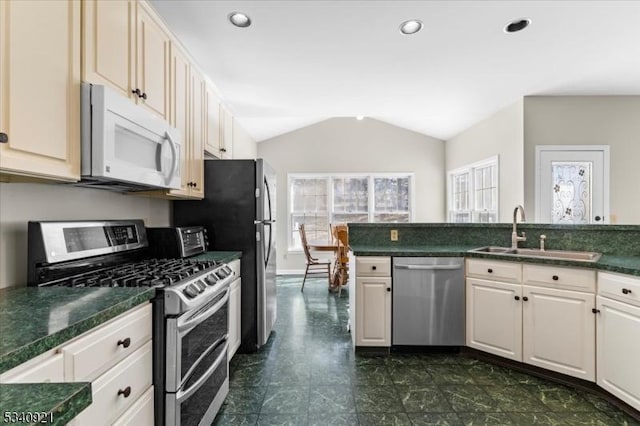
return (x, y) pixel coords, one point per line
(144, 273)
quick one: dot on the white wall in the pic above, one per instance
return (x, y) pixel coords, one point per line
(22, 202)
(349, 145)
(501, 135)
(589, 120)
(244, 147)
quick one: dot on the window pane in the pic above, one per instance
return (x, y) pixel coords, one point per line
(316, 227)
(351, 195)
(391, 194)
(350, 217)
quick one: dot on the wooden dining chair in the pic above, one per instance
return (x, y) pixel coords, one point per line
(314, 266)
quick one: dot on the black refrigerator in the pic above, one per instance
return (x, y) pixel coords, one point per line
(239, 211)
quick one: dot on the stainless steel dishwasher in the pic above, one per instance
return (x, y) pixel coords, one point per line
(428, 301)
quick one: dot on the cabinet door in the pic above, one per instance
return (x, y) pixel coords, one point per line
(212, 122)
(40, 88)
(227, 135)
(373, 311)
(109, 44)
(494, 317)
(618, 331)
(234, 317)
(153, 61)
(196, 153)
(559, 331)
(179, 116)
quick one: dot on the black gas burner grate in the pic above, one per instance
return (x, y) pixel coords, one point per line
(146, 273)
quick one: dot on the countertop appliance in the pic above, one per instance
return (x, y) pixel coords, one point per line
(178, 241)
(190, 309)
(428, 301)
(124, 146)
(238, 211)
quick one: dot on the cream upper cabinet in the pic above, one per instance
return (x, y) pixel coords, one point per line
(153, 45)
(180, 89)
(212, 121)
(494, 317)
(109, 44)
(559, 331)
(40, 89)
(196, 152)
(127, 48)
(226, 143)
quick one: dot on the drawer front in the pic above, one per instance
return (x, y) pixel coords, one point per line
(47, 368)
(117, 389)
(369, 266)
(95, 352)
(559, 277)
(495, 270)
(624, 288)
(140, 413)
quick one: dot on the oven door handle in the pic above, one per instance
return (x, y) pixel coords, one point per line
(188, 325)
(183, 394)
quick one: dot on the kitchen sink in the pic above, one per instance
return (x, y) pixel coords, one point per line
(580, 256)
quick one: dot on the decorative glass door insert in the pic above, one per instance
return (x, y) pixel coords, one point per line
(572, 192)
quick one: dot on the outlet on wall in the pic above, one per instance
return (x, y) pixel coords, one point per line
(394, 235)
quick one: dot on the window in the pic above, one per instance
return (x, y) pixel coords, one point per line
(473, 193)
(316, 200)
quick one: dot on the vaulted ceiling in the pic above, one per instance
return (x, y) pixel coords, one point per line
(301, 62)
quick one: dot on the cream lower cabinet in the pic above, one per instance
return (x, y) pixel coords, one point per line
(373, 301)
(559, 331)
(494, 317)
(235, 307)
(549, 324)
(618, 331)
(40, 90)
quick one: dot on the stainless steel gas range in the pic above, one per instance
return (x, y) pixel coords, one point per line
(190, 307)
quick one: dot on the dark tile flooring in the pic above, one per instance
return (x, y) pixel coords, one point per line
(308, 374)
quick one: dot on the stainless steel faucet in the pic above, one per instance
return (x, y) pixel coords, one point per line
(514, 234)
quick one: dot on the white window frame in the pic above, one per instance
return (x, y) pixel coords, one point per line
(471, 169)
(330, 195)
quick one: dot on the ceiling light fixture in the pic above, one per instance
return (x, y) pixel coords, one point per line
(411, 26)
(517, 25)
(359, 117)
(239, 19)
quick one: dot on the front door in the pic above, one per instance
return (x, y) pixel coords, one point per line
(572, 184)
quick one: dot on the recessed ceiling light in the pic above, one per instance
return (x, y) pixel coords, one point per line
(360, 117)
(411, 26)
(517, 25)
(239, 19)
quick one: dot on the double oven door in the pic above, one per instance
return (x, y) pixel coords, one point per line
(196, 362)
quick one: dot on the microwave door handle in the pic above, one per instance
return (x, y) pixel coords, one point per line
(174, 159)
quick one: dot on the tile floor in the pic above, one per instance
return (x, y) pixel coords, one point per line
(308, 374)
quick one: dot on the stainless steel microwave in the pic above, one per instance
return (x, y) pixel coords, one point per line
(124, 146)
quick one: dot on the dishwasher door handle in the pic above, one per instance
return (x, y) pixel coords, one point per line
(429, 267)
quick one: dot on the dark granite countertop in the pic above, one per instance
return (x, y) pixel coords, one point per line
(55, 403)
(219, 256)
(34, 320)
(621, 264)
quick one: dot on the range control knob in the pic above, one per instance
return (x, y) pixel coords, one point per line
(197, 287)
(201, 285)
(228, 270)
(190, 292)
(220, 273)
(211, 279)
